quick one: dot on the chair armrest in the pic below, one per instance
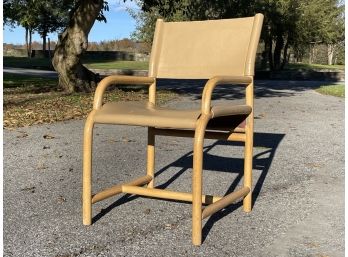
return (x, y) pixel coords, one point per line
(110, 80)
(218, 80)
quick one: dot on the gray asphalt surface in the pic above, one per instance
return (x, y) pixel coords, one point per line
(31, 72)
(53, 74)
(298, 185)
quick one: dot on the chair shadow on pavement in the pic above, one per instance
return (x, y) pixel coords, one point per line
(262, 88)
(261, 163)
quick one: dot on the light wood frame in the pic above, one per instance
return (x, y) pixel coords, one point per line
(215, 203)
(242, 73)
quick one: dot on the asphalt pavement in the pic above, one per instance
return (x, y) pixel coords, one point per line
(31, 72)
(298, 188)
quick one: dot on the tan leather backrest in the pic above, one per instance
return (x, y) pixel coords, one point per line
(203, 49)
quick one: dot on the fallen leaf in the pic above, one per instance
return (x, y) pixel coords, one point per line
(127, 140)
(170, 226)
(31, 189)
(41, 166)
(22, 135)
(48, 136)
(314, 165)
(61, 199)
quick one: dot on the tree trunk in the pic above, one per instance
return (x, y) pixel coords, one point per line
(278, 52)
(299, 56)
(44, 35)
(312, 53)
(26, 41)
(330, 53)
(270, 53)
(73, 42)
(49, 48)
(285, 55)
(30, 42)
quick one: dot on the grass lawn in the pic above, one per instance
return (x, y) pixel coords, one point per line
(28, 63)
(32, 100)
(334, 90)
(45, 64)
(126, 65)
(304, 66)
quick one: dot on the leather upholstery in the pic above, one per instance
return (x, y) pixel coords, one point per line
(222, 51)
(147, 114)
(203, 49)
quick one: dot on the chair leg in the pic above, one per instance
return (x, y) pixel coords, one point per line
(197, 187)
(150, 168)
(248, 166)
(87, 171)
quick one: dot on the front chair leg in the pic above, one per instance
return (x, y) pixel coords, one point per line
(197, 185)
(87, 171)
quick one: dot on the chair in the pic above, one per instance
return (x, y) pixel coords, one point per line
(222, 51)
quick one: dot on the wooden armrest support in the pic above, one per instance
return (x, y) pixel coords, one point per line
(218, 80)
(110, 80)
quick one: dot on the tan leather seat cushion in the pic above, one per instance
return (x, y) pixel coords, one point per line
(146, 114)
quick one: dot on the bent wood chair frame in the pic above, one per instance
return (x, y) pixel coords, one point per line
(199, 133)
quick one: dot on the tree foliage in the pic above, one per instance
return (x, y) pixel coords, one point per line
(37, 15)
(288, 23)
(52, 16)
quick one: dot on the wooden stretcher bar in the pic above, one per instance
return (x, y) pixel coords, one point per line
(166, 194)
(117, 189)
(224, 201)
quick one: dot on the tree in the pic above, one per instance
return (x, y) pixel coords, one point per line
(183, 10)
(27, 18)
(280, 30)
(52, 16)
(332, 32)
(73, 42)
(77, 16)
(37, 15)
(288, 24)
(279, 23)
(9, 14)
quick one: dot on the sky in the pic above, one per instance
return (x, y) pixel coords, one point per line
(119, 25)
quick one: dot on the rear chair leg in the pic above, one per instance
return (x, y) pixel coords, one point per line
(150, 168)
(248, 166)
(87, 171)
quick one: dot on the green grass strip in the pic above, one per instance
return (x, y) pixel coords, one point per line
(334, 90)
(123, 65)
(45, 63)
(305, 66)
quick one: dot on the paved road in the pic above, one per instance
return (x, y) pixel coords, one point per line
(298, 185)
(32, 72)
(53, 74)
